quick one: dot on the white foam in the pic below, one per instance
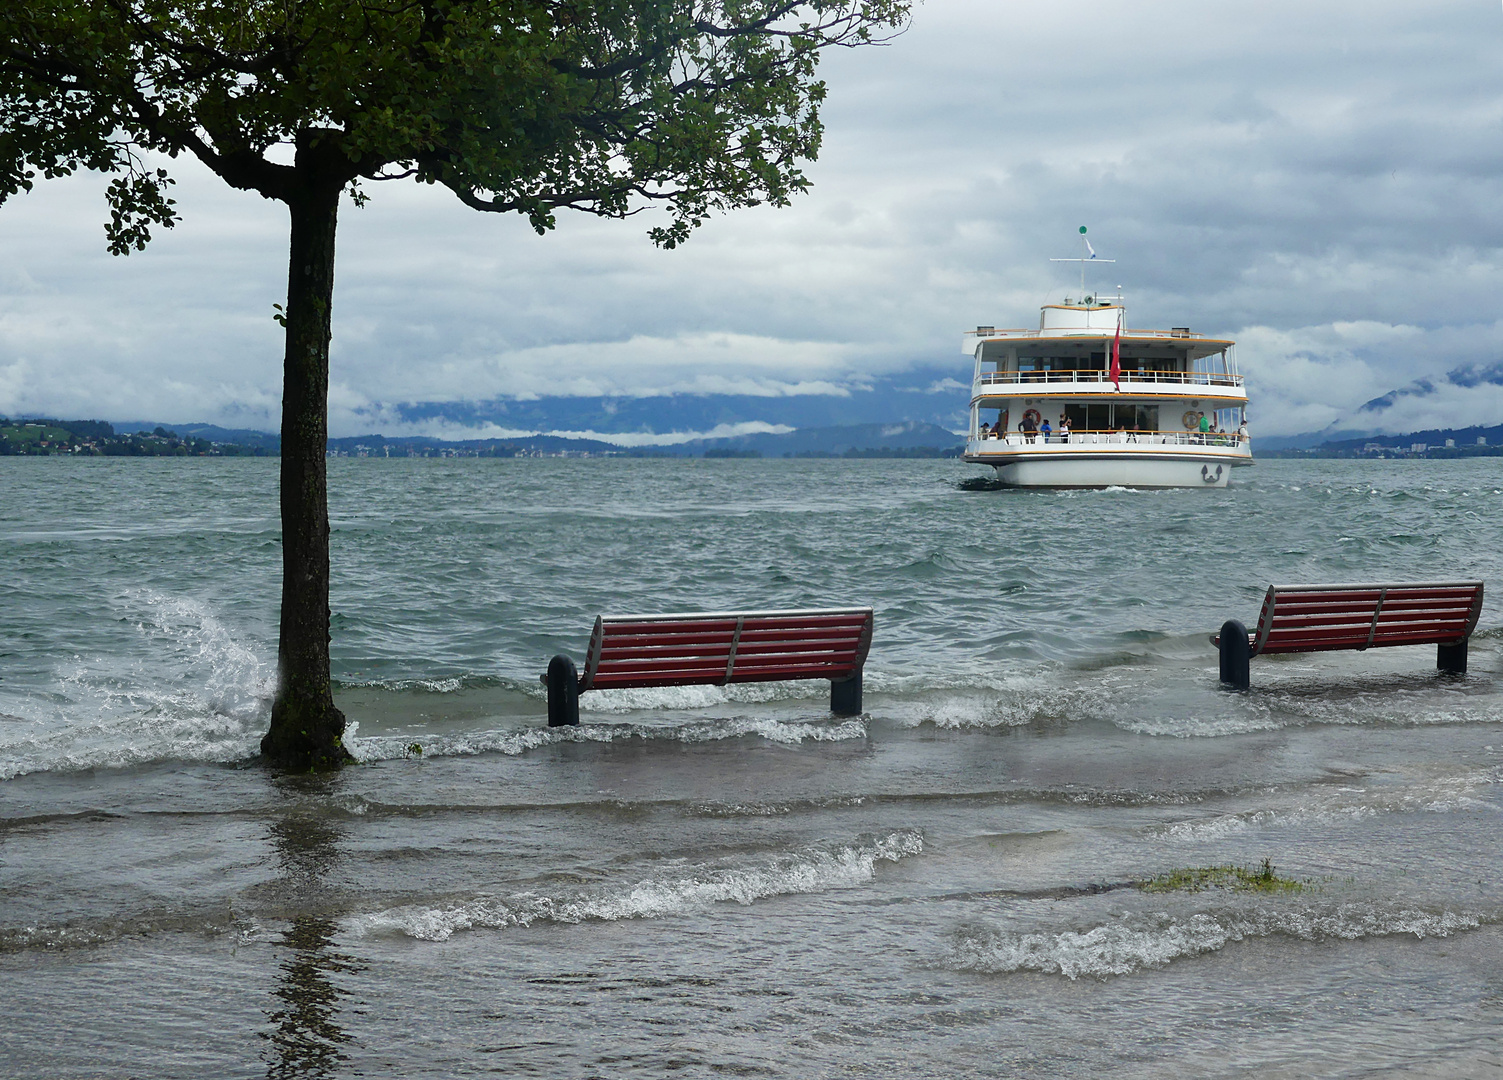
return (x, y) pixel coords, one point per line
(1274, 709)
(514, 742)
(1144, 941)
(694, 888)
(206, 699)
(985, 699)
(660, 698)
(1443, 795)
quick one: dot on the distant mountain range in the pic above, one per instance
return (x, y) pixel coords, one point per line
(1466, 377)
(899, 439)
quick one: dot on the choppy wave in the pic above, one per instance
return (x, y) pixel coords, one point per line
(676, 892)
(382, 748)
(190, 688)
(208, 702)
(1332, 703)
(1002, 700)
(206, 920)
(1146, 941)
(1444, 795)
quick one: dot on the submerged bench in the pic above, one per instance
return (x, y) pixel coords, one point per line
(715, 649)
(1317, 618)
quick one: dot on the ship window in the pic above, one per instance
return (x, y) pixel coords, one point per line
(1113, 417)
(1033, 368)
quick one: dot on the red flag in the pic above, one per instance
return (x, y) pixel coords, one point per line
(1117, 355)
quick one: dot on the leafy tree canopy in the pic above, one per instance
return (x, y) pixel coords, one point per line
(605, 106)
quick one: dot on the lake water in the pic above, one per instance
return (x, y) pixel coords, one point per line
(700, 882)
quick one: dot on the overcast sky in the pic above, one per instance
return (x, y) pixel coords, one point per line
(1322, 182)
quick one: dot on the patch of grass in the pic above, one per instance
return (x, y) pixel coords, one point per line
(1195, 879)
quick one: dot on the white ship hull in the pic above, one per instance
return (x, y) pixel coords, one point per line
(1112, 469)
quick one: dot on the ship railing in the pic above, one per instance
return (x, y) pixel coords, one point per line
(1092, 375)
(1229, 439)
(1080, 331)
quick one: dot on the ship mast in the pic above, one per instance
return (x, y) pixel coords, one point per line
(1088, 257)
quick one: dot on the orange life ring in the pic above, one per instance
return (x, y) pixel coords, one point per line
(1034, 415)
(1191, 420)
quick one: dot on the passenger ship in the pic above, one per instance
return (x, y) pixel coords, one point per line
(1142, 429)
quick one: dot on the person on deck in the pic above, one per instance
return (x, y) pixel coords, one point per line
(1205, 427)
(1045, 430)
(1064, 428)
(1028, 427)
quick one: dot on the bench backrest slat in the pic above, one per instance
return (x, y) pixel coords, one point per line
(714, 648)
(1312, 618)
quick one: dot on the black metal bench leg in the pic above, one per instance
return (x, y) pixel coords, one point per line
(845, 696)
(563, 692)
(1236, 655)
(1451, 658)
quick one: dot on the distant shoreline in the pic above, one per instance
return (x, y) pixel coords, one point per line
(911, 440)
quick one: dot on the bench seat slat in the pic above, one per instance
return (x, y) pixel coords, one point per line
(663, 663)
(1331, 646)
(1389, 603)
(1339, 596)
(640, 625)
(610, 655)
(716, 675)
(717, 664)
(1296, 625)
(612, 652)
(1436, 626)
(606, 682)
(845, 656)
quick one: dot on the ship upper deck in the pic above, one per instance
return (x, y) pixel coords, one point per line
(1070, 354)
(1071, 329)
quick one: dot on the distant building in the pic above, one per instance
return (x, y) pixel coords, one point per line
(1481, 440)
(1418, 448)
(1450, 442)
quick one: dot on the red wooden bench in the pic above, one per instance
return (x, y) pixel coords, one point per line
(714, 649)
(1315, 618)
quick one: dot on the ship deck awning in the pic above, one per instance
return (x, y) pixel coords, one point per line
(1138, 344)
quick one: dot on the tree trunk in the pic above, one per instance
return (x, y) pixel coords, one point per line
(306, 728)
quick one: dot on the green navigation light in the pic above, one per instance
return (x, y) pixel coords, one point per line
(1082, 230)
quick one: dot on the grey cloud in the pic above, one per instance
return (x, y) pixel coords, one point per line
(1274, 172)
